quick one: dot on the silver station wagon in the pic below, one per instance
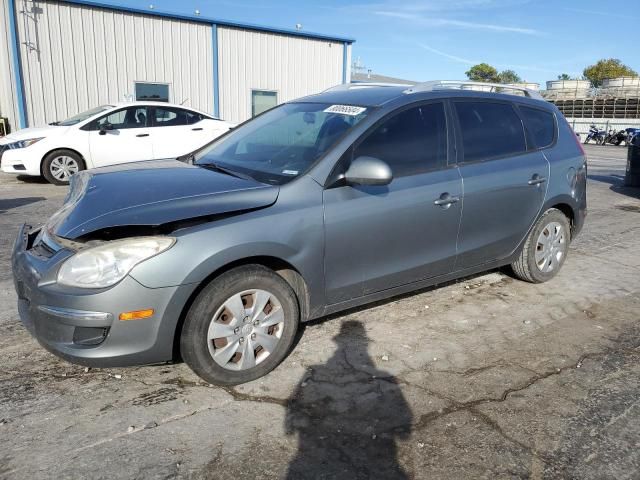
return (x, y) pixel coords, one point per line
(331, 201)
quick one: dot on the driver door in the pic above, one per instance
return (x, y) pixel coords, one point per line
(120, 137)
(381, 237)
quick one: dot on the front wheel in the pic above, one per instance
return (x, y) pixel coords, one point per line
(58, 166)
(240, 326)
(545, 249)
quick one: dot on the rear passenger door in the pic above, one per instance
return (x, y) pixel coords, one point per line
(176, 132)
(380, 237)
(505, 180)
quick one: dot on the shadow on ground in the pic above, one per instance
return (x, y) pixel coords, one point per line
(617, 185)
(8, 204)
(347, 415)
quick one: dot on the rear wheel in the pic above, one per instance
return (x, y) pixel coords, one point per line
(58, 166)
(241, 326)
(545, 249)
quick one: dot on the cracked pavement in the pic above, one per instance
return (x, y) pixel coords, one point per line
(487, 377)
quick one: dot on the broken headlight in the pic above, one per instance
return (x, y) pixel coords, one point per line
(107, 264)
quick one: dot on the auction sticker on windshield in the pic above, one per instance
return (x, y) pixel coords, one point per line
(345, 110)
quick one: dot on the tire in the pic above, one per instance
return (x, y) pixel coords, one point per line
(539, 261)
(59, 165)
(212, 329)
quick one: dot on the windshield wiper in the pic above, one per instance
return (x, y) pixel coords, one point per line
(216, 167)
(55, 123)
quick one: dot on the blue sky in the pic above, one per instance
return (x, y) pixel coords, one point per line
(440, 39)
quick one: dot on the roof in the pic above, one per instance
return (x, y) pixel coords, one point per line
(375, 95)
(374, 77)
(209, 21)
(370, 96)
(158, 104)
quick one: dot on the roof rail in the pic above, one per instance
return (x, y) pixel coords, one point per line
(351, 86)
(469, 85)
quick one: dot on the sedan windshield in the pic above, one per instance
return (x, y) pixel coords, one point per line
(81, 117)
(284, 142)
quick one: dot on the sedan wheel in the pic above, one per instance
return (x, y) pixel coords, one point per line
(59, 165)
(63, 167)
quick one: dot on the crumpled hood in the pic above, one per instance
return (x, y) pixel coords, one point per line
(37, 132)
(152, 193)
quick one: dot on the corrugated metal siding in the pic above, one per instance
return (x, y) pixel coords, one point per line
(75, 58)
(8, 99)
(292, 66)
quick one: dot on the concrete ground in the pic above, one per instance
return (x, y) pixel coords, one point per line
(489, 377)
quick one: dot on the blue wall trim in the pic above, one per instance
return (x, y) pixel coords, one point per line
(210, 21)
(345, 58)
(216, 82)
(17, 69)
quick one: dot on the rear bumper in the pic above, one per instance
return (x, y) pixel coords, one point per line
(82, 326)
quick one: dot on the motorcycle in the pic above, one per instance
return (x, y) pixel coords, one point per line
(596, 135)
(615, 138)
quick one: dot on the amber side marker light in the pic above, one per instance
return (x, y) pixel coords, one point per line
(136, 315)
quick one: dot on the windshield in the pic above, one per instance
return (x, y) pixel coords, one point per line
(80, 117)
(284, 142)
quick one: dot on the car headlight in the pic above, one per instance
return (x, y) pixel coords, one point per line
(107, 264)
(24, 143)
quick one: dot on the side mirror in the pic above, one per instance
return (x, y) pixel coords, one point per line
(105, 127)
(368, 171)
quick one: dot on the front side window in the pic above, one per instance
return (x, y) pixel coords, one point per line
(262, 100)
(132, 117)
(284, 142)
(540, 124)
(157, 92)
(411, 142)
(489, 130)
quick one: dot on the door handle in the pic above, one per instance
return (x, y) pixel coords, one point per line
(536, 180)
(446, 200)
(197, 129)
(142, 135)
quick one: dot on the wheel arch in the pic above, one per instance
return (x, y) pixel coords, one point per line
(59, 149)
(567, 206)
(281, 267)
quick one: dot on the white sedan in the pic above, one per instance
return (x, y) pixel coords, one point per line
(108, 135)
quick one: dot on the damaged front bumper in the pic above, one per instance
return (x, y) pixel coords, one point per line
(82, 325)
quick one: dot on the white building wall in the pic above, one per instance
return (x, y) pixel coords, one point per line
(8, 97)
(76, 57)
(291, 66)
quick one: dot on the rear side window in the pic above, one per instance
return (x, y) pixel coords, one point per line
(173, 117)
(411, 142)
(489, 130)
(540, 124)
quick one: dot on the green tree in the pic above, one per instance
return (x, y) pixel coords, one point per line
(564, 76)
(482, 72)
(508, 76)
(607, 68)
